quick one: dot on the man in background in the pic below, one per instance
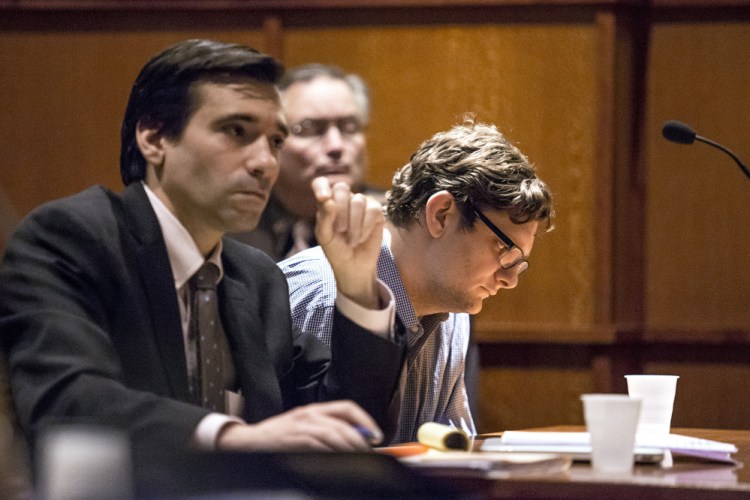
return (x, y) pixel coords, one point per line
(462, 217)
(327, 111)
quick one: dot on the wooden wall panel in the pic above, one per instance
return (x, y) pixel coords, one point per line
(536, 82)
(62, 96)
(698, 224)
(709, 394)
(521, 398)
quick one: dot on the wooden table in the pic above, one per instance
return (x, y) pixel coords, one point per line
(687, 478)
(212, 474)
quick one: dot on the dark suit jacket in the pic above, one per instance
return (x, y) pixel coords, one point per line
(90, 324)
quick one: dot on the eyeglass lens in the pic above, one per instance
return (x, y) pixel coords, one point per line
(348, 125)
(510, 258)
(510, 254)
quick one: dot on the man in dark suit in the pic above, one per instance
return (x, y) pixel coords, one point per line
(95, 289)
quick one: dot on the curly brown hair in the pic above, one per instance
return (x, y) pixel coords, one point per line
(479, 167)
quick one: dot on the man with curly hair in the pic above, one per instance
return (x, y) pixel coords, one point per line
(461, 219)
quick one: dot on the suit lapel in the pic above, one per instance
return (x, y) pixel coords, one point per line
(255, 370)
(158, 283)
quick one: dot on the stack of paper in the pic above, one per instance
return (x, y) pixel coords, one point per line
(648, 448)
(442, 450)
(488, 463)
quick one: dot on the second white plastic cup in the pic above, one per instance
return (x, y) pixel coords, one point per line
(656, 393)
(611, 420)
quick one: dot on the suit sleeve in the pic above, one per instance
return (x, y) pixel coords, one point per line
(359, 366)
(366, 367)
(61, 295)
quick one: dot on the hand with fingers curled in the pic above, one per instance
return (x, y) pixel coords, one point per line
(349, 228)
(330, 426)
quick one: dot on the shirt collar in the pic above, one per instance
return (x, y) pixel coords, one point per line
(184, 257)
(388, 271)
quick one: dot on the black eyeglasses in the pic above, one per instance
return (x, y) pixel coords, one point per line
(511, 254)
(317, 128)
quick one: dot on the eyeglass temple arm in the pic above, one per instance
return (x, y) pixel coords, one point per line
(507, 241)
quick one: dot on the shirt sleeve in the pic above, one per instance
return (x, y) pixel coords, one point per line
(207, 432)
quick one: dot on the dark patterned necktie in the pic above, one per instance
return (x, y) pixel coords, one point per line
(214, 360)
(302, 237)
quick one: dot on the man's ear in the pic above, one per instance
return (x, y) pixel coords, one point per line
(440, 207)
(151, 143)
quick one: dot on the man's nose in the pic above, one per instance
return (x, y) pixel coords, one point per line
(333, 138)
(507, 278)
(262, 159)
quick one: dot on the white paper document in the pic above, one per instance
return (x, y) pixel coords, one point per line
(492, 464)
(648, 448)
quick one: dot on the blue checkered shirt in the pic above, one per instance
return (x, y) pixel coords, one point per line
(431, 386)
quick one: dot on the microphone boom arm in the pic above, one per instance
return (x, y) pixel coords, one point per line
(727, 151)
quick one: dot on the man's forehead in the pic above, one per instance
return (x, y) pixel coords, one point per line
(322, 93)
(248, 100)
(248, 88)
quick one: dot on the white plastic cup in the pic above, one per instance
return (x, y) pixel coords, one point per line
(656, 393)
(84, 463)
(611, 420)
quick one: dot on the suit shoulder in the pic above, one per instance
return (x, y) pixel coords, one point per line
(247, 259)
(78, 201)
(87, 208)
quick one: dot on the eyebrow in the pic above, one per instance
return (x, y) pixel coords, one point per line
(244, 117)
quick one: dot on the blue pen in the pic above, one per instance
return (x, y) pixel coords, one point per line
(370, 436)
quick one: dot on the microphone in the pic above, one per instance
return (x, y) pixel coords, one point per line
(681, 133)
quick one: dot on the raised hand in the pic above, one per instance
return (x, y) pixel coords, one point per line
(349, 227)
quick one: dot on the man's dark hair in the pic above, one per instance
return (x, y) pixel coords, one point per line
(161, 95)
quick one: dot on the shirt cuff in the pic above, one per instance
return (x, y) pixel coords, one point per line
(378, 321)
(209, 427)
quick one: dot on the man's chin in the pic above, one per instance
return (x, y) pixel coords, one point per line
(245, 222)
(475, 309)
